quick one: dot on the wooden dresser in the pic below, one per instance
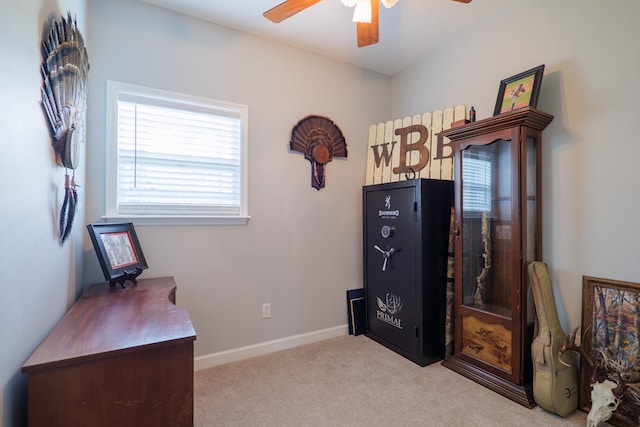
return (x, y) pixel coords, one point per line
(118, 357)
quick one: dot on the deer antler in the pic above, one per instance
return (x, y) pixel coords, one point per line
(570, 344)
(634, 393)
(606, 394)
(619, 390)
(617, 369)
(611, 363)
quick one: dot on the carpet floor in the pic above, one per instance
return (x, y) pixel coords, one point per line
(353, 381)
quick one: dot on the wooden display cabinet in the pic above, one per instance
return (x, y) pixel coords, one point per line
(498, 233)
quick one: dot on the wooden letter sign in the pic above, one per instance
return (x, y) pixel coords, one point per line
(412, 147)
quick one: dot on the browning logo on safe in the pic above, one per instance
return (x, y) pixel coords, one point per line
(388, 213)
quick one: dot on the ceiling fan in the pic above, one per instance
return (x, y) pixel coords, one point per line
(365, 15)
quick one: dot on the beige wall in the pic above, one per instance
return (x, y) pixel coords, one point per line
(39, 279)
(302, 247)
(590, 151)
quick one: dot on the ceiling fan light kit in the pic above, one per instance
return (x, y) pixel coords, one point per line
(389, 3)
(362, 12)
(386, 3)
(365, 15)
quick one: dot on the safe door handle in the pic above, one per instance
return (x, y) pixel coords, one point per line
(385, 255)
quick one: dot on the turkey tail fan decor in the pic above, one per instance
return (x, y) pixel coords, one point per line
(320, 140)
(65, 68)
(366, 25)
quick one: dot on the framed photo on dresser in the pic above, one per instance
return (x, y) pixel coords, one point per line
(118, 249)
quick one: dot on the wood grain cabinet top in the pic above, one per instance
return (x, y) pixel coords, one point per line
(119, 356)
(107, 320)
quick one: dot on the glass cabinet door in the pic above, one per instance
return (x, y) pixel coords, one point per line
(487, 276)
(497, 233)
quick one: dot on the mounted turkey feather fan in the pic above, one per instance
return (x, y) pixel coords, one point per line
(320, 140)
(365, 16)
(65, 69)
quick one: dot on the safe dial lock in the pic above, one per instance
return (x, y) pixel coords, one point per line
(386, 231)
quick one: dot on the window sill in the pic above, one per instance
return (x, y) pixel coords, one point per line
(178, 220)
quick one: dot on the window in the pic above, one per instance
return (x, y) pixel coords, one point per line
(175, 158)
(476, 175)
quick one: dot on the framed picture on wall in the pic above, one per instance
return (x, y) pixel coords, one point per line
(610, 334)
(118, 251)
(519, 91)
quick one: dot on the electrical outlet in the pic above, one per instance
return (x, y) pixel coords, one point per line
(266, 310)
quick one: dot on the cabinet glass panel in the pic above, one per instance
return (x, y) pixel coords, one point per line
(531, 224)
(486, 227)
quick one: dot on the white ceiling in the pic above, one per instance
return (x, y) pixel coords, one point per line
(408, 31)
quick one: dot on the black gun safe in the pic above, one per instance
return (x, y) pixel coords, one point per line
(406, 233)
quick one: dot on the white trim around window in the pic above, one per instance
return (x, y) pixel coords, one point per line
(175, 159)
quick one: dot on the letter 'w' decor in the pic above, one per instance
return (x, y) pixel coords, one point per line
(412, 148)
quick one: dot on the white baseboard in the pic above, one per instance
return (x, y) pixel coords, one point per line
(228, 356)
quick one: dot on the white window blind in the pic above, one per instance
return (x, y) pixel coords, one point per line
(177, 156)
(476, 176)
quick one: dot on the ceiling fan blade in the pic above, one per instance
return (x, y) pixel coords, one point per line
(368, 34)
(463, 1)
(287, 8)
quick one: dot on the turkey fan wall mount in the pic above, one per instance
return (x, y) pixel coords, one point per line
(65, 68)
(320, 140)
(366, 15)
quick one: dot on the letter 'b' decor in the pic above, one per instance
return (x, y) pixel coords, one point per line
(320, 140)
(412, 147)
